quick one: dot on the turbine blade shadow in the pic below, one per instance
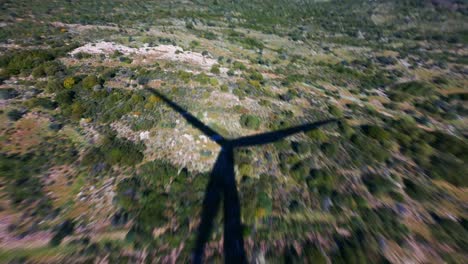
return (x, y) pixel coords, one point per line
(211, 203)
(222, 182)
(213, 135)
(233, 242)
(270, 137)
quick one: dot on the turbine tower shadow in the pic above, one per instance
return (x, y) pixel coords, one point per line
(222, 183)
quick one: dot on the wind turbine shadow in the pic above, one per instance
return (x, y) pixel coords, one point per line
(222, 183)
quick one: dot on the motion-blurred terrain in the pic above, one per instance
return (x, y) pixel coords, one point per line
(94, 168)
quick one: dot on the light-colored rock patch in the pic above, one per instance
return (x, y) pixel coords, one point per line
(161, 52)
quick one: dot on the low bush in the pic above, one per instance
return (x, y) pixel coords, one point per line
(15, 114)
(250, 121)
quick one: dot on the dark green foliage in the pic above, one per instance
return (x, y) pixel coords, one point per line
(215, 69)
(386, 60)
(65, 98)
(317, 135)
(17, 62)
(109, 73)
(115, 151)
(369, 149)
(255, 75)
(90, 81)
(360, 247)
(49, 68)
(449, 168)
(250, 121)
(66, 228)
(146, 199)
(239, 66)
(300, 171)
(449, 231)
(330, 149)
(202, 78)
(377, 185)
(20, 174)
(300, 147)
(450, 144)
(41, 102)
(54, 86)
(416, 190)
(128, 193)
(159, 173)
(8, 93)
(189, 25)
(345, 130)
(322, 180)
(265, 202)
(15, 114)
(207, 34)
(125, 60)
(385, 222)
(20, 171)
(246, 42)
(185, 76)
(313, 254)
(413, 88)
(251, 43)
(335, 111)
(376, 132)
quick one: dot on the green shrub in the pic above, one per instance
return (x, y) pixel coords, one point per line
(345, 130)
(300, 147)
(42, 102)
(65, 98)
(329, 149)
(415, 190)
(323, 180)
(414, 88)
(15, 114)
(300, 171)
(256, 76)
(245, 169)
(239, 66)
(66, 228)
(449, 231)
(53, 86)
(448, 168)
(250, 121)
(90, 81)
(376, 132)
(49, 68)
(313, 254)
(317, 135)
(25, 60)
(215, 69)
(202, 78)
(335, 111)
(185, 76)
(115, 151)
(69, 82)
(450, 144)
(251, 43)
(8, 93)
(377, 185)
